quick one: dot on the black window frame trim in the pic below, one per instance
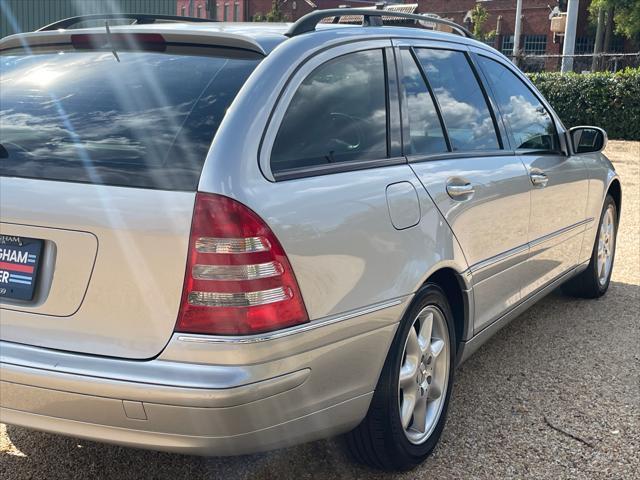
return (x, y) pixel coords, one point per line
(406, 128)
(339, 167)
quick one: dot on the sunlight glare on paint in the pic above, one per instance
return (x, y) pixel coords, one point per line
(42, 76)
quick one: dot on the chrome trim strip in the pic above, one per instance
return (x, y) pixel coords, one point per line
(483, 264)
(498, 258)
(557, 233)
(265, 337)
(468, 347)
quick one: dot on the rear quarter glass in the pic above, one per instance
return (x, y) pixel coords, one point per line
(145, 121)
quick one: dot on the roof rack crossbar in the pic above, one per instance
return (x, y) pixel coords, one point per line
(140, 18)
(370, 17)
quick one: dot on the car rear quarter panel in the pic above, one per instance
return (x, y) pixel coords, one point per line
(343, 248)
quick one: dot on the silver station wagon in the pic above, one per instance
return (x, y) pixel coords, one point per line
(226, 238)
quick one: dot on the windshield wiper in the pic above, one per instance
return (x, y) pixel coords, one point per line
(113, 49)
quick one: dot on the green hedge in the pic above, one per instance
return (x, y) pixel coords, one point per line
(604, 99)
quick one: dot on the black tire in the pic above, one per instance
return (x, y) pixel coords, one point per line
(587, 284)
(380, 440)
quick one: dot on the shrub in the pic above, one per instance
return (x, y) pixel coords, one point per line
(604, 99)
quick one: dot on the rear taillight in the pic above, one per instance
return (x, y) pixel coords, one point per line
(238, 279)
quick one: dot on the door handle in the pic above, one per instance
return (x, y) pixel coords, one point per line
(460, 192)
(539, 178)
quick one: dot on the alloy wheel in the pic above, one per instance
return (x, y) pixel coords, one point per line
(606, 245)
(424, 374)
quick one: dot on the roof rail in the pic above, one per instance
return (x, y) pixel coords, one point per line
(140, 18)
(370, 17)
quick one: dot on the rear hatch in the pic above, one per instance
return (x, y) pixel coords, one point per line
(103, 143)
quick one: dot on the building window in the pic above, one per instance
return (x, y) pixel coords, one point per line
(235, 12)
(199, 11)
(507, 45)
(584, 45)
(535, 44)
(225, 12)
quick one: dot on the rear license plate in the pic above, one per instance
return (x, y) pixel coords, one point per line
(19, 260)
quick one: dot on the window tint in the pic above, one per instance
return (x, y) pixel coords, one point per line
(338, 114)
(463, 106)
(425, 130)
(529, 122)
(85, 117)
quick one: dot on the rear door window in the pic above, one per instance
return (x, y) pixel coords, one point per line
(144, 121)
(466, 115)
(530, 124)
(425, 130)
(338, 114)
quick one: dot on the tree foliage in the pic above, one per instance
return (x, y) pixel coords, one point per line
(274, 15)
(626, 15)
(604, 99)
(479, 16)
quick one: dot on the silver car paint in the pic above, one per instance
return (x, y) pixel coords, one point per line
(357, 263)
(121, 301)
(330, 249)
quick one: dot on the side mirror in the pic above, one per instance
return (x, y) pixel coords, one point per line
(588, 139)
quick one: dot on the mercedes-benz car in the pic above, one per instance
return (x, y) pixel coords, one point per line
(226, 238)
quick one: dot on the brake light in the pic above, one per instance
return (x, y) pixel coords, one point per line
(120, 41)
(238, 279)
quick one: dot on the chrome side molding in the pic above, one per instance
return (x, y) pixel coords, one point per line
(265, 337)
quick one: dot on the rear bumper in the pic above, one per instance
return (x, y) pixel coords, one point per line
(307, 386)
(330, 421)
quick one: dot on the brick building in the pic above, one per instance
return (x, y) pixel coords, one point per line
(246, 10)
(536, 39)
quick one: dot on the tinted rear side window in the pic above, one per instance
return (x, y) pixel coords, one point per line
(146, 121)
(425, 130)
(530, 124)
(462, 103)
(338, 114)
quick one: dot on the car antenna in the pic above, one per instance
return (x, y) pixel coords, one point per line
(113, 50)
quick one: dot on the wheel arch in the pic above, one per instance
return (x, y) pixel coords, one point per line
(615, 190)
(460, 298)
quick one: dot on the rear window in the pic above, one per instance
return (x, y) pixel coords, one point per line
(144, 121)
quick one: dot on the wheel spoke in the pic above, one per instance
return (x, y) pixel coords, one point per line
(426, 327)
(408, 373)
(408, 405)
(436, 347)
(420, 415)
(413, 345)
(434, 392)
